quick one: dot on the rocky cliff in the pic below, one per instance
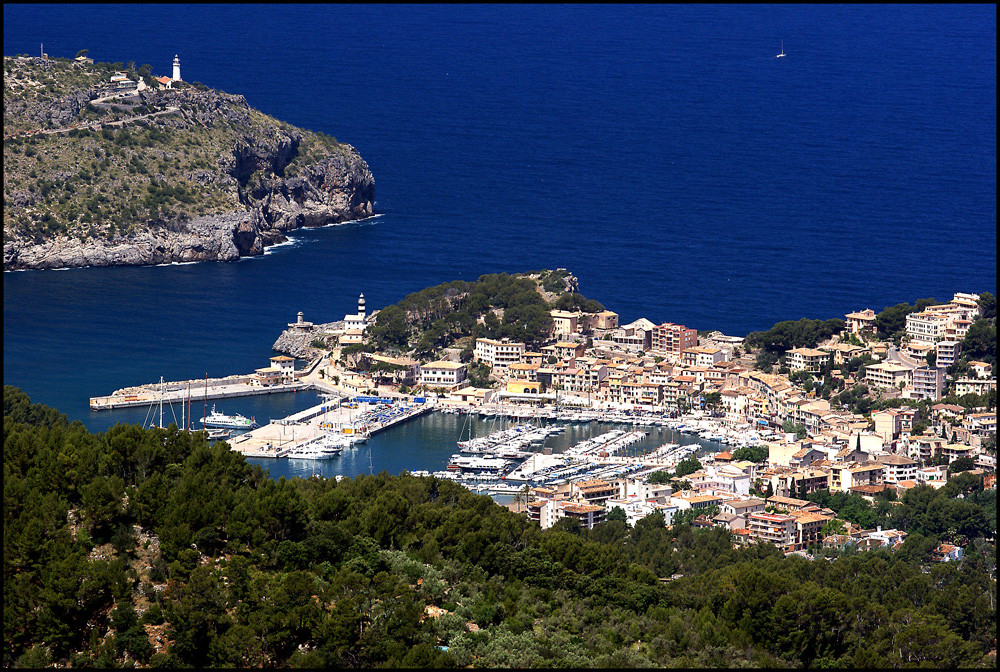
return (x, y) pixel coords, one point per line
(188, 174)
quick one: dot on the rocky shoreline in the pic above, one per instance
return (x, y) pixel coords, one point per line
(338, 189)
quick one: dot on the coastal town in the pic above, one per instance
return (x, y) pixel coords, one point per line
(767, 439)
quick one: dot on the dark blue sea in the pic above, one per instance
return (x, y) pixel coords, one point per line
(661, 153)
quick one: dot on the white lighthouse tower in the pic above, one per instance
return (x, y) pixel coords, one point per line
(361, 306)
(177, 69)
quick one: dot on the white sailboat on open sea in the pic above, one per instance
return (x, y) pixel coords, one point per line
(782, 54)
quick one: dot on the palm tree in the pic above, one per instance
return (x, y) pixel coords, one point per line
(523, 497)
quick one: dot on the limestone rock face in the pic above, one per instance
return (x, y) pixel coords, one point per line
(298, 342)
(208, 238)
(337, 189)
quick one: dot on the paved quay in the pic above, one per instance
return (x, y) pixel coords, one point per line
(279, 437)
(196, 390)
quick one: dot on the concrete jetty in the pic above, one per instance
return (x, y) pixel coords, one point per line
(178, 392)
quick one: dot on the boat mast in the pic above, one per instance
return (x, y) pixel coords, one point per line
(205, 411)
(161, 402)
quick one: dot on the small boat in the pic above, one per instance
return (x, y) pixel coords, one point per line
(217, 434)
(217, 419)
(782, 54)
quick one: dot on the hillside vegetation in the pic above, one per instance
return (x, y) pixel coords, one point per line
(494, 306)
(83, 166)
(152, 547)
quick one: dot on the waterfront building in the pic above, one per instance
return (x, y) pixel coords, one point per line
(861, 322)
(286, 367)
(498, 354)
(523, 371)
(442, 374)
(265, 377)
(300, 324)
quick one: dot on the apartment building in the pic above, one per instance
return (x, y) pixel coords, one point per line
(498, 354)
(672, 339)
(974, 386)
(928, 383)
(807, 359)
(947, 352)
(888, 375)
(442, 374)
(702, 355)
(898, 468)
(843, 477)
(926, 326)
(779, 529)
(546, 512)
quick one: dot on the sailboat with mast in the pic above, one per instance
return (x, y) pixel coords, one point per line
(782, 54)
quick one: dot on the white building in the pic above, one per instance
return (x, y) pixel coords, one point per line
(498, 354)
(177, 69)
(888, 375)
(442, 374)
(807, 359)
(947, 352)
(928, 383)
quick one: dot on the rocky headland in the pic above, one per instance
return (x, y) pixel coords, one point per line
(159, 175)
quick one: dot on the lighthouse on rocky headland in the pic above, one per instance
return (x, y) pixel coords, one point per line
(177, 69)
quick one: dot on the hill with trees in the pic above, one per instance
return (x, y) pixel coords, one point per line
(495, 306)
(153, 547)
(95, 176)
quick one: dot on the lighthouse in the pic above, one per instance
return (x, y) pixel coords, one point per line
(177, 69)
(361, 306)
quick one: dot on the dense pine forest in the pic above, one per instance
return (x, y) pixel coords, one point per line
(155, 548)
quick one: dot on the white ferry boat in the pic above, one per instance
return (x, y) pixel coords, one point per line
(217, 419)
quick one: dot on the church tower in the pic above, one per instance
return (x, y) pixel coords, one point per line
(177, 69)
(361, 306)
